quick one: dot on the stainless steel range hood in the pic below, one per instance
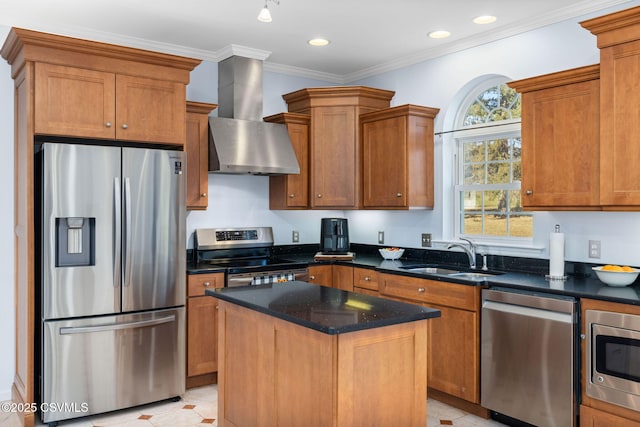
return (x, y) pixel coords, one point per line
(239, 141)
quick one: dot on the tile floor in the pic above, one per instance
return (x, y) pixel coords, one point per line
(199, 408)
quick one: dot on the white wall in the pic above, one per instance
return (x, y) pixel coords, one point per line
(7, 313)
(243, 200)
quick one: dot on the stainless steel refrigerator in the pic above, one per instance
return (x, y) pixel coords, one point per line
(111, 285)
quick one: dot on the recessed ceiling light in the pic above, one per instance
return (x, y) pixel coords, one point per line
(318, 42)
(484, 19)
(439, 34)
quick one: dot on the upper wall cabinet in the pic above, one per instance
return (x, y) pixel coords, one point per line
(560, 140)
(196, 148)
(292, 191)
(93, 90)
(618, 36)
(335, 154)
(397, 147)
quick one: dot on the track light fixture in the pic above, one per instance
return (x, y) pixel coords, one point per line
(265, 14)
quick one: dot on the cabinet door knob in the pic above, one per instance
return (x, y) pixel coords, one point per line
(124, 126)
(203, 195)
(319, 196)
(291, 196)
(528, 192)
(367, 279)
(420, 290)
(398, 194)
(312, 277)
(207, 284)
(108, 124)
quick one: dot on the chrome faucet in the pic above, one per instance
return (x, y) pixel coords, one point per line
(470, 250)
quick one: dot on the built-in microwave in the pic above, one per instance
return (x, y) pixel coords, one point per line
(613, 357)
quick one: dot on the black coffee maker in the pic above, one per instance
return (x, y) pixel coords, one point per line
(334, 236)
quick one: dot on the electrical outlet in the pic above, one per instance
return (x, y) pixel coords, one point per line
(594, 248)
(381, 237)
(426, 240)
(295, 236)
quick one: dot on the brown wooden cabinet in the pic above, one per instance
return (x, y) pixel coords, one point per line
(337, 380)
(321, 275)
(202, 328)
(86, 103)
(365, 278)
(590, 417)
(335, 155)
(618, 37)
(292, 191)
(560, 140)
(454, 369)
(342, 277)
(196, 149)
(78, 88)
(398, 163)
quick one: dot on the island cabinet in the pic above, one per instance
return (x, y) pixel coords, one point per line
(304, 355)
(196, 148)
(560, 140)
(618, 37)
(202, 329)
(397, 147)
(85, 89)
(291, 191)
(453, 370)
(335, 154)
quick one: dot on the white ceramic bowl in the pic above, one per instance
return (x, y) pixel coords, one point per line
(391, 254)
(616, 278)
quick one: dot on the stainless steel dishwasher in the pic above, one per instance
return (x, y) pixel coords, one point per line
(528, 355)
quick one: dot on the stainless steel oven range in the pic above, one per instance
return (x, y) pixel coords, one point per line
(613, 357)
(245, 253)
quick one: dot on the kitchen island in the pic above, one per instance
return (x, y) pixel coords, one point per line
(294, 353)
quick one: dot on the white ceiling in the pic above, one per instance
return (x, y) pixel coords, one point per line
(367, 36)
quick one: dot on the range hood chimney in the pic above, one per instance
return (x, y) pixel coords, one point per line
(239, 141)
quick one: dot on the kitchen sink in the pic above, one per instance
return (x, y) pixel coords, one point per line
(432, 270)
(471, 275)
(450, 272)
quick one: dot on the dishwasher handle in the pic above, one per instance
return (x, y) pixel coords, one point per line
(528, 312)
(560, 304)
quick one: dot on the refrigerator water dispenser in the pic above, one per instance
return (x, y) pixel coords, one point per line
(75, 246)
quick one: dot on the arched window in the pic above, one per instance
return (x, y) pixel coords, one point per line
(488, 203)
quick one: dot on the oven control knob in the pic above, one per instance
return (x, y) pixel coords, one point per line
(600, 379)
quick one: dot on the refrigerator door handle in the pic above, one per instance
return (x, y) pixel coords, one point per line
(116, 326)
(127, 232)
(117, 234)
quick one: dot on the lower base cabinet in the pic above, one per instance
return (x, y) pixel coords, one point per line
(277, 373)
(202, 329)
(590, 417)
(454, 367)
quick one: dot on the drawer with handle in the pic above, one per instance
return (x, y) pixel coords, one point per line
(198, 283)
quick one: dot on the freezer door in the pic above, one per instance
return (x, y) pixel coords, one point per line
(154, 235)
(79, 199)
(102, 364)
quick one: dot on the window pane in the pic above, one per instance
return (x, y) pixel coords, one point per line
(495, 160)
(473, 151)
(498, 149)
(474, 174)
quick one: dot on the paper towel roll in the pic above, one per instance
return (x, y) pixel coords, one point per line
(556, 254)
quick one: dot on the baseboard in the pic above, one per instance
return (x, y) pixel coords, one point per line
(456, 402)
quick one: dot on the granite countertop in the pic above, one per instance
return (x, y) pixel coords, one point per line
(578, 286)
(328, 310)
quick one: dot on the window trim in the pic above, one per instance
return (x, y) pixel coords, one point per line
(507, 129)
